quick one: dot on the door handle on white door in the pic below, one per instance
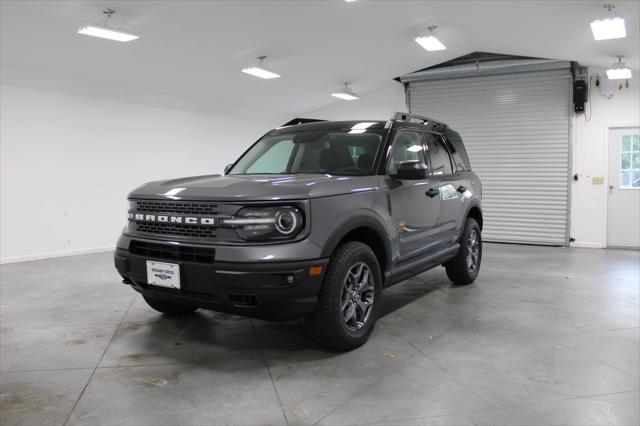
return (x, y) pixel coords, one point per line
(610, 188)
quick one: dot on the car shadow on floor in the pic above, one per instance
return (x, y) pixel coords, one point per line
(212, 339)
(404, 293)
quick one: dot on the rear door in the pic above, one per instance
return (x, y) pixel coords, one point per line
(444, 176)
(413, 212)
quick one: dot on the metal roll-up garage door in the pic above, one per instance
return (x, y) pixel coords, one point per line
(516, 130)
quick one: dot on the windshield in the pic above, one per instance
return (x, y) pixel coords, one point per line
(334, 152)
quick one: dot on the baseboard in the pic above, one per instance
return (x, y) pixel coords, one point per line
(587, 245)
(75, 252)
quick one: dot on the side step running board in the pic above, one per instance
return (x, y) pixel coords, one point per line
(417, 266)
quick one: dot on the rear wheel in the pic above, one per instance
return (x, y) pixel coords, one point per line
(349, 301)
(168, 308)
(464, 268)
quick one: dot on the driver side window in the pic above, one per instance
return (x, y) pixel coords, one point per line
(407, 145)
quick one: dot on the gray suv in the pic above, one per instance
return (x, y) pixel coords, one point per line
(314, 219)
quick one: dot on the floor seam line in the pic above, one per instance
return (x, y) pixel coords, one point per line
(266, 365)
(356, 393)
(603, 362)
(86, 385)
(39, 370)
(455, 379)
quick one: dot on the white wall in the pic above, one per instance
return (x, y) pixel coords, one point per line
(68, 162)
(377, 105)
(588, 200)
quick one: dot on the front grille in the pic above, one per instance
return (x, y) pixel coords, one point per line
(181, 230)
(176, 229)
(172, 252)
(193, 208)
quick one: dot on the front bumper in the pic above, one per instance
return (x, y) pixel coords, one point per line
(273, 291)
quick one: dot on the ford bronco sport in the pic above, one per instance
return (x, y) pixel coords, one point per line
(314, 219)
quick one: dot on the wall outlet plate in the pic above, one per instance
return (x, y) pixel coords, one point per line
(597, 180)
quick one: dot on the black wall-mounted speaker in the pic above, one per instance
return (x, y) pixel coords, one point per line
(579, 95)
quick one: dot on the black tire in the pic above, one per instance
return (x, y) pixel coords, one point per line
(168, 308)
(328, 324)
(462, 269)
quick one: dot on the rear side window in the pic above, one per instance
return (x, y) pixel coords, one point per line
(440, 160)
(456, 155)
(457, 149)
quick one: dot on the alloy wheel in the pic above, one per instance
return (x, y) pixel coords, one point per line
(357, 296)
(473, 250)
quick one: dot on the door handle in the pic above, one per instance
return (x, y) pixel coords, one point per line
(461, 189)
(432, 192)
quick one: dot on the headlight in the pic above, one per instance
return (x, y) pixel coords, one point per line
(267, 223)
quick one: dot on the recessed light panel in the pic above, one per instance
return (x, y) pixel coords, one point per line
(618, 73)
(108, 33)
(345, 96)
(260, 72)
(607, 29)
(430, 43)
(346, 93)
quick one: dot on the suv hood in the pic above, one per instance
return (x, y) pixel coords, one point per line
(255, 187)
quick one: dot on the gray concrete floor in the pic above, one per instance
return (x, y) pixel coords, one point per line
(545, 336)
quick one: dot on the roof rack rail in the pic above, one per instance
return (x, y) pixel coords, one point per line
(300, 121)
(405, 116)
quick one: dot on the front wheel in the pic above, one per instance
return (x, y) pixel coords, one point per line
(464, 268)
(349, 301)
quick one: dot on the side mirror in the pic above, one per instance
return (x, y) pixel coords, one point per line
(413, 169)
(227, 168)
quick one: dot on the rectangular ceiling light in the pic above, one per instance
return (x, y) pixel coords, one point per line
(108, 33)
(618, 73)
(260, 72)
(607, 29)
(430, 43)
(345, 96)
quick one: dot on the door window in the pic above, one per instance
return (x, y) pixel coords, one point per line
(407, 146)
(439, 156)
(630, 161)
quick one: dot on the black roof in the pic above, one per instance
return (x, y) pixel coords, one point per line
(403, 119)
(328, 125)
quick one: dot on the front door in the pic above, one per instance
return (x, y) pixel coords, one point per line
(413, 211)
(623, 205)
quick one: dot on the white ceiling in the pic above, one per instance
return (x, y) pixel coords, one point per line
(194, 50)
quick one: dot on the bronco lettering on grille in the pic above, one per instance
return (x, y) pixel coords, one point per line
(189, 220)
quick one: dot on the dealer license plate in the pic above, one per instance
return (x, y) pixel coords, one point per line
(163, 274)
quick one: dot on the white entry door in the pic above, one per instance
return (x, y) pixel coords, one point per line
(623, 207)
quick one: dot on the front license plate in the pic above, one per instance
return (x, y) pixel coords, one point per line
(163, 274)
